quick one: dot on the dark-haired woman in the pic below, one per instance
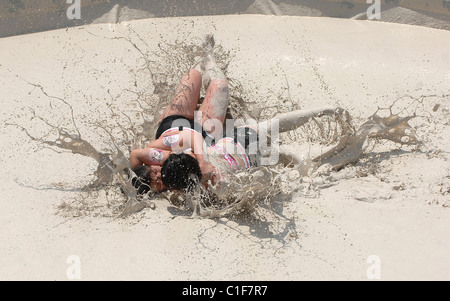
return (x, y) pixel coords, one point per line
(182, 133)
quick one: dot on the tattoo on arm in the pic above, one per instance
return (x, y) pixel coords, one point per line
(171, 140)
(156, 156)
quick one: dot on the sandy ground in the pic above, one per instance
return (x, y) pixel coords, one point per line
(398, 211)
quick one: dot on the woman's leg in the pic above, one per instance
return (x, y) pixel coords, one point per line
(215, 104)
(288, 122)
(185, 101)
(292, 120)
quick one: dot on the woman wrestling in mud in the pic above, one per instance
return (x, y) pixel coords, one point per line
(186, 138)
(184, 134)
(190, 146)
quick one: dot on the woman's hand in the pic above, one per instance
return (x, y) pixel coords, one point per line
(208, 173)
(206, 169)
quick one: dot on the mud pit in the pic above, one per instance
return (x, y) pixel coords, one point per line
(331, 127)
(70, 131)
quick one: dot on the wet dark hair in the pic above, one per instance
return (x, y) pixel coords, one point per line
(142, 180)
(181, 172)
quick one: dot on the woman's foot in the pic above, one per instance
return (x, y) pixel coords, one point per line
(203, 52)
(208, 44)
(208, 64)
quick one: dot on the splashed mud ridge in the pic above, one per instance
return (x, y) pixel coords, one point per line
(332, 129)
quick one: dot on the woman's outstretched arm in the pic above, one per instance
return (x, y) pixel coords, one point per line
(148, 156)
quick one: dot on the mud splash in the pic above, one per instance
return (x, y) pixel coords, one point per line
(341, 142)
(244, 190)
